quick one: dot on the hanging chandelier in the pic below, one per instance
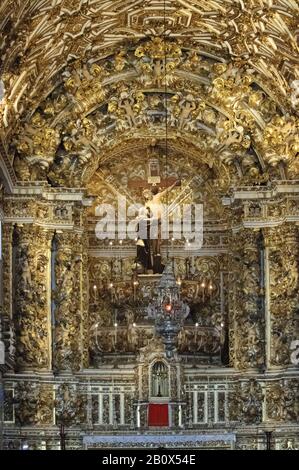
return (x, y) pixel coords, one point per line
(168, 310)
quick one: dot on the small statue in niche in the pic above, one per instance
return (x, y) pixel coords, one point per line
(255, 210)
(160, 380)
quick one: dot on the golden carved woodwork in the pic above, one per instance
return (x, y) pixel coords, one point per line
(224, 105)
(31, 297)
(281, 401)
(282, 243)
(67, 347)
(246, 402)
(262, 34)
(89, 88)
(33, 403)
(246, 304)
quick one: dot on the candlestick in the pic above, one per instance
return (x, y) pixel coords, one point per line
(172, 252)
(111, 259)
(192, 267)
(111, 268)
(110, 286)
(186, 268)
(121, 259)
(179, 283)
(115, 329)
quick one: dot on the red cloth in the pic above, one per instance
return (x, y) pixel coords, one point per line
(158, 414)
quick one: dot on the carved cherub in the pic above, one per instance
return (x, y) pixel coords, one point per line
(126, 103)
(187, 105)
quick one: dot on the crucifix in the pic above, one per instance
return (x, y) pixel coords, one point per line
(153, 174)
(150, 217)
(153, 179)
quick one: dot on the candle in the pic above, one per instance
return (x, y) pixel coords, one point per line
(135, 285)
(179, 283)
(95, 289)
(196, 331)
(203, 286)
(115, 329)
(111, 259)
(172, 252)
(110, 286)
(210, 290)
(96, 335)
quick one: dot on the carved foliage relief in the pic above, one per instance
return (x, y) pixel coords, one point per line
(284, 285)
(31, 301)
(67, 348)
(248, 311)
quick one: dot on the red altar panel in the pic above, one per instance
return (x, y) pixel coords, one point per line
(158, 414)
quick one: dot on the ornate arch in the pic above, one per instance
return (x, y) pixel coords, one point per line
(235, 62)
(220, 107)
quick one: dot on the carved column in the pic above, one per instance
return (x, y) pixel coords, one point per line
(7, 232)
(283, 249)
(266, 290)
(67, 296)
(85, 301)
(31, 297)
(7, 291)
(248, 317)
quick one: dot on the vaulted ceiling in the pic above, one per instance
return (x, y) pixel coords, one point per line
(83, 77)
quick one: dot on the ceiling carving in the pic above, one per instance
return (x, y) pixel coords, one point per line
(82, 77)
